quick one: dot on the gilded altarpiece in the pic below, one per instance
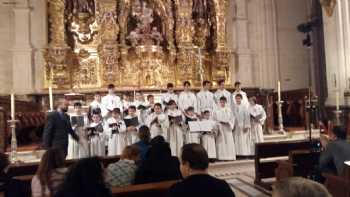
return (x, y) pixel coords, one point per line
(135, 43)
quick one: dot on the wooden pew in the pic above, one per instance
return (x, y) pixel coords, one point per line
(267, 156)
(22, 169)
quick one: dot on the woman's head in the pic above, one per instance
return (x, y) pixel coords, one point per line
(84, 178)
(131, 153)
(299, 187)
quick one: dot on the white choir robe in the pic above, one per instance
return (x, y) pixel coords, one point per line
(225, 144)
(166, 97)
(142, 114)
(223, 93)
(132, 136)
(110, 101)
(78, 149)
(176, 133)
(242, 138)
(208, 141)
(98, 142)
(94, 105)
(126, 105)
(192, 137)
(186, 100)
(244, 101)
(205, 101)
(257, 133)
(117, 141)
(160, 128)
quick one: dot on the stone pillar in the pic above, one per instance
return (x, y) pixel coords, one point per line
(243, 51)
(22, 50)
(337, 48)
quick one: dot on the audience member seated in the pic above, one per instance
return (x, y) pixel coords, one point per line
(335, 152)
(197, 181)
(50, 173)
(299, 187)
(144, 143)
(122, 173)
(9, 186)
(84, 178)
(159, 165)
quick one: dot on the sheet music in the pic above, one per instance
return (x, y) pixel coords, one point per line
(201, 126)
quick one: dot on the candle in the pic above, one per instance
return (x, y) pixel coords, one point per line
(279, 91)
(134, 95)
(337, 100)
(51, 98)
(13, 106)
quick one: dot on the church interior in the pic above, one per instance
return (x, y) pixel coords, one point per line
(271, 76)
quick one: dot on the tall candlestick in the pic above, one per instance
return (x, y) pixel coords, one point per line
(279, 91)
(13, 106)
(337, 100)
(51, 98)
(201, 71)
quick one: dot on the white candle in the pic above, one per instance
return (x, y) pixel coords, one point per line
(279, 91)
(13, 106)
(337, 100)
(51, 98)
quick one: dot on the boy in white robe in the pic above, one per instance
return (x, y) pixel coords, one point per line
(257, 120)
(116, 131)
(96, 136)
(131, 130)
(78, 121)
(191, 137)
(205, 99)
(242, 133)
(141, 107)
(169, 95)
(150, 104)
(222, 92)
(158, 122)
(187, 98)
(127, 101)
(225, 144)
(238, 90)
(176, 131)
(110, 101)
(208, 138)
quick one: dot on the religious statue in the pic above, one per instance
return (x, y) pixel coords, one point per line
(200, 8)
(83, 6)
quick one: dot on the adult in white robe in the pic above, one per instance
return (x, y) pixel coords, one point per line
(169, 95)
(208, 138)
(237, 91)
(257, 118)
(158, 122)
(242, 134)
(176, 131)
(116, 132)
(110, 101)
(225, 144)
(205, 99)
(222, 92)
(187, 99)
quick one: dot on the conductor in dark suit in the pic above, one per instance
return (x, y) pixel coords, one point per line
(335, 152)
(58, 127)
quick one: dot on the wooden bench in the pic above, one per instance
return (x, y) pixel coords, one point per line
(267, 157)
(22, 169)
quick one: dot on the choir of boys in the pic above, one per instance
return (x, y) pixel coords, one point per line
(225, 127)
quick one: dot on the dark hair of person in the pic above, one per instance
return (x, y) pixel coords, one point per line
(223, 98)
(132, 107)
(221, 81)
(77, 104)
(150, 96)
(144, 134)
(52, 159)
(187, 83)
(170, 85)
(239, 95)
(97, 94)
(116, 110)
(172, 102)
(158, 104)
(96, 111)
(237, 83)
(340, 132)
(111, 86)
(4, 162)
(131, 152)
(190, 109)
(300, 187)
(206, 112)
(157, 140)
(196, 156)
(206, 82)
(84, 178)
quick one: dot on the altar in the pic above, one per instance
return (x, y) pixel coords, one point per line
(134, 44)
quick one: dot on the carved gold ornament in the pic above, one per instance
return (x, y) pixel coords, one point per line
(328, 6)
